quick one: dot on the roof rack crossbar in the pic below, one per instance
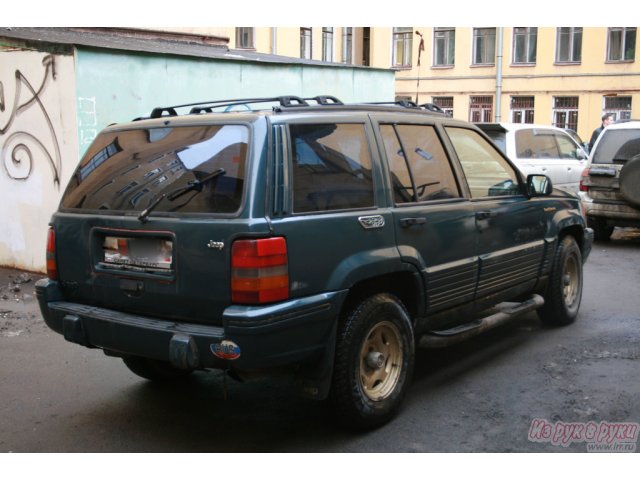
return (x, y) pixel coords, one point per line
(207, 106)
(326, 100)
(402, 103)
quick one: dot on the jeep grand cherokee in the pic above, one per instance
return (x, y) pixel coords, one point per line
(325, 239)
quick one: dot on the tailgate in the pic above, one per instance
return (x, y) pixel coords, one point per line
(175, 269)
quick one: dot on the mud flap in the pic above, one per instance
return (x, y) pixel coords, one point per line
(314, 382)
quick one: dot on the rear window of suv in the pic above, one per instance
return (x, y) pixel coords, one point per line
(617, 146)
(195, 169)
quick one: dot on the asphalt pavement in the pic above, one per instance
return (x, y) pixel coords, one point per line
(500, 392)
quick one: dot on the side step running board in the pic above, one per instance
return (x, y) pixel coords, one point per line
(506, 312)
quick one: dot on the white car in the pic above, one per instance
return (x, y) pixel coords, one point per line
(540, 149)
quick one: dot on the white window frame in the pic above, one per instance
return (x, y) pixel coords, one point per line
(623, 31)
(446, 36)
(484, 46)
(246, 32)
(528, 35)
(402, 47)
(327, 44)
(573, 35)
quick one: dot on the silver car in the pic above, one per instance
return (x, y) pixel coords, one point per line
(541, 149)
(610, 188)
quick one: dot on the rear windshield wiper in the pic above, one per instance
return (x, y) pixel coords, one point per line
(178, 192)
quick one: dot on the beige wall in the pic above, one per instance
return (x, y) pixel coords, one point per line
(590, 80)
(38, 150)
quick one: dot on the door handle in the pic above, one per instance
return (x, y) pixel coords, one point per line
(409, 222)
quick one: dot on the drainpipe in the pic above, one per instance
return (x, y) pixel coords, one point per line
(274, 40)
(498, 116)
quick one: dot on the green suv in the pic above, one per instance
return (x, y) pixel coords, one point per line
(305, 235)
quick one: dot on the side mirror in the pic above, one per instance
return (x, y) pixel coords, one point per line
(539, 185)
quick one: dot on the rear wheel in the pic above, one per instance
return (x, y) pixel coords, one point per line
(374, 362)
(564, 292)
(154, 369)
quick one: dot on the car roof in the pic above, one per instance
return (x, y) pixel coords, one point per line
(623, 125)
(510, 127)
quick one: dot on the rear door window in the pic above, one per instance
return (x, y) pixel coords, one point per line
(185, 169)
(419, 167)
(331, 167)
(536, 143)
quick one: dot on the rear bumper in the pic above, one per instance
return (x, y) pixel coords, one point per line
(251, 338)
(615, 213)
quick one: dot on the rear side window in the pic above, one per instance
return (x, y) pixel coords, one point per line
(487, 173)
(536, 143)
(418, 165)
(617, 146)
(331, 167)
(186, 169)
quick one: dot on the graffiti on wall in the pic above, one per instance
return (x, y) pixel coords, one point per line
(20, 145)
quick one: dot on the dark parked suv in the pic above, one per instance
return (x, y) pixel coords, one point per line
(323, 239)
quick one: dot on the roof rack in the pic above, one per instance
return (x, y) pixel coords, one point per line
(282, 103)
(401, 103)
(432, 107)
(287, 101)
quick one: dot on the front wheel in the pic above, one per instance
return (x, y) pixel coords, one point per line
(564, 292)
(374, 362)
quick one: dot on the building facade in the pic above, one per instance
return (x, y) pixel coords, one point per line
(564, 76)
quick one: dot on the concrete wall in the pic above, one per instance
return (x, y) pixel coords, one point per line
(38, 150)
(63, 101)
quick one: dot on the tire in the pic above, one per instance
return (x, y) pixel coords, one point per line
(564, 291)
(155, 370)
(601, 231)
(374, 362)
(630, 181)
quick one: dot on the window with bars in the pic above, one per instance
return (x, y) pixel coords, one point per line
(569, 45)
(525, 44)
(245, 37)
(445, 103)
(305, 43)
(444, 46)
(621, 44)
(480, 108)
(619, 107)
(522, 109)
(402, 46)
(565, 112)
(347, 45)
(484, 46)
(327, 44)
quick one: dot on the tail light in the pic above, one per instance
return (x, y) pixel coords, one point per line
(259, 271)
(583, 178)
(52, 265)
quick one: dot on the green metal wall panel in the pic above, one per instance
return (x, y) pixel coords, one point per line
(119, 86)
